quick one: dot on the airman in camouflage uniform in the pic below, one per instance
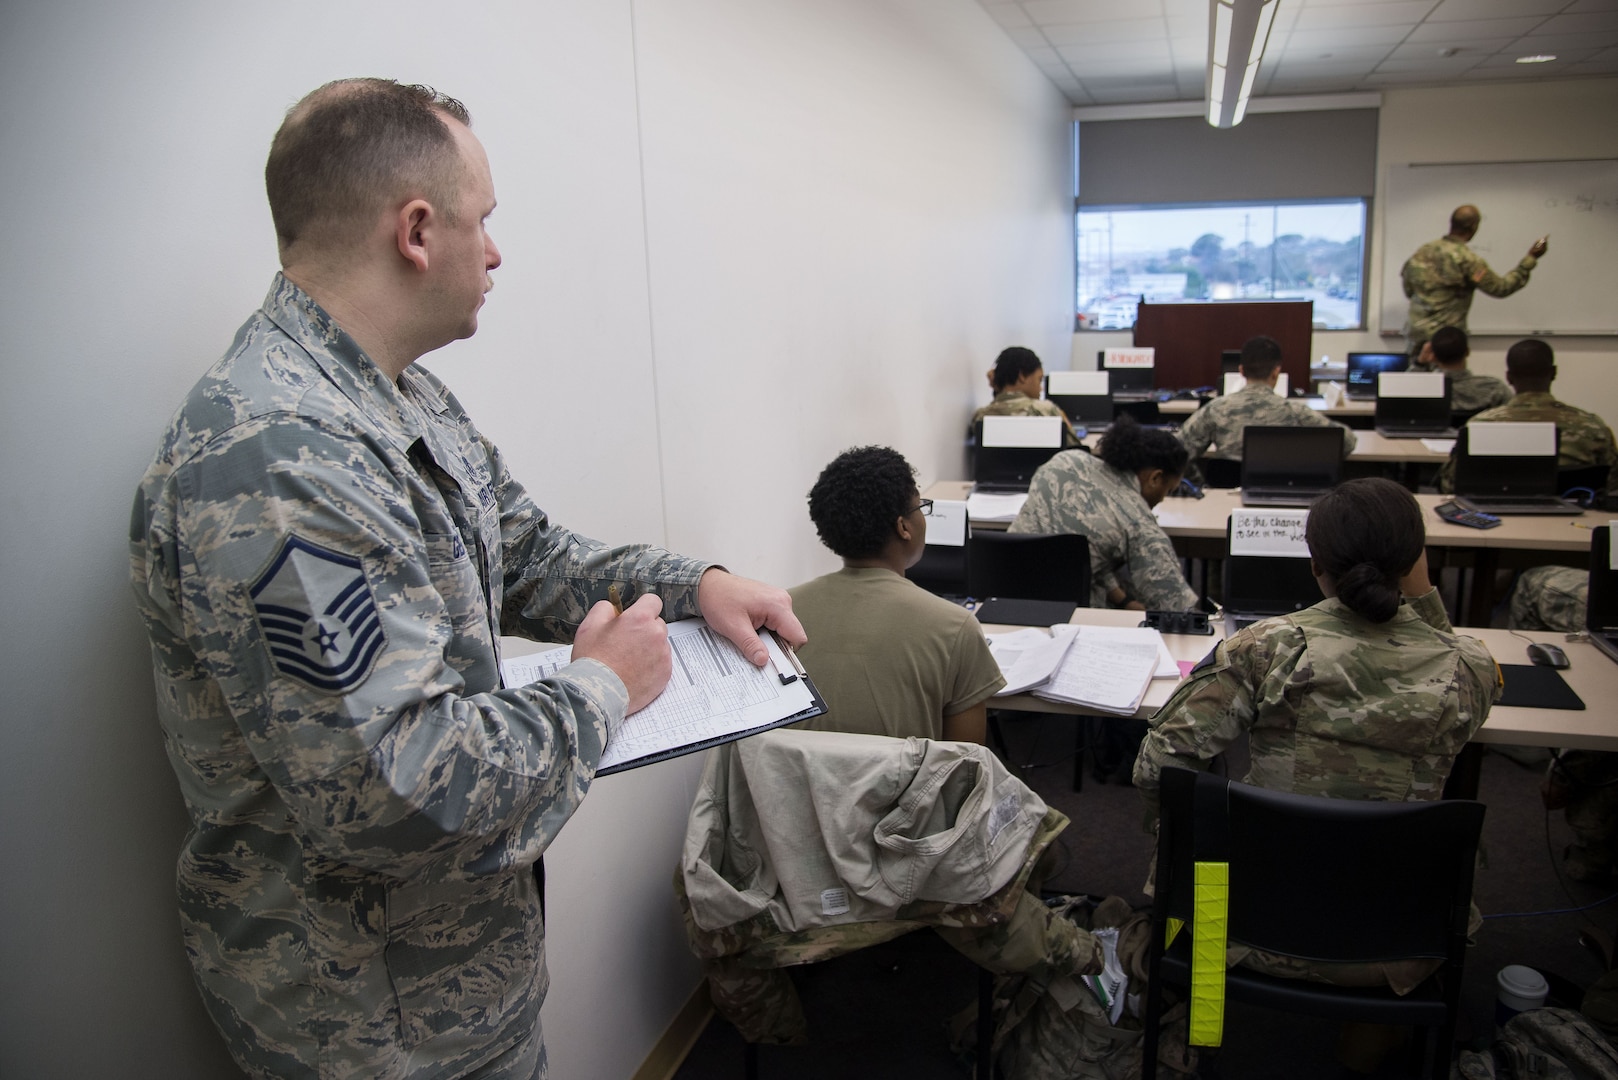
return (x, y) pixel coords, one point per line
(1332, 704)
(325, 552)
(1077, 492)
(1550, 598)
(1016, 403)
(1470, 392)
(1440, 278)
(1583, 438)
(1220, 423)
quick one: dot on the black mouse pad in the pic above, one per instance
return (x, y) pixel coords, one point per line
(1026, 612)
(1535, 687)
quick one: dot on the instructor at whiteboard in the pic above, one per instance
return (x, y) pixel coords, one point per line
(1441, 277)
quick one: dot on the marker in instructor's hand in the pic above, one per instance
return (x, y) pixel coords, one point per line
(615, 598)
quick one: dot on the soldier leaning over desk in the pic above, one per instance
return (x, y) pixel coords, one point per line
(325, 552)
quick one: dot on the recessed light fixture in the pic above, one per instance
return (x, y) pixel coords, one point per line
(1537, 58)
(1238, 30)
(1448, 51)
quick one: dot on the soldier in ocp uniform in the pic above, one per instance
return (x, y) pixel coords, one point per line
(1017, 380)
(1220, 423)
(1368, 694)
(1583, 438)
(1469, 392)
(325, 552)
(1440, 278)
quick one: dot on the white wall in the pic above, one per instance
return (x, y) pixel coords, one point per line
(1480, 122)
(738, 237)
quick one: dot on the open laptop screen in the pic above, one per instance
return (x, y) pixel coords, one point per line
(1506, 459)
(1412, 400)
(1267, 569)
(1291, 457)
(1601, 612)
(1364, 367)
(1085, 396)
(1010, 448)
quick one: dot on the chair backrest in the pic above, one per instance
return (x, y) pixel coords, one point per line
(1593, 477)
(941, 570)
(1028, 566)
(1220, 472)
(1335, 880)
(1144, 412)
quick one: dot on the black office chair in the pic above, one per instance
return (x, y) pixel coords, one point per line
(1028, 566)
(1145, 413)
(941, 570)
(1458, 417)
(1220, 472)
(1331, 880)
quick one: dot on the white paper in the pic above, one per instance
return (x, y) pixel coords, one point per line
(1331, 396)
(1107, 668)
(1167, 666)
(1268, 532)
(1235, 380)
(1439, 446)
(1036, 431)
(1612, 548)
(1511, 440)
(714, 691)
(947, 525)
(1029, 657)
(1129, 358)
(1410, 384)
(1078, 383)
(984, 506)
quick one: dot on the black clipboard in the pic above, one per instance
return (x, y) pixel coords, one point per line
(818, 708)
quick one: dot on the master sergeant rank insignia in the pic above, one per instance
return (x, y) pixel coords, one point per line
(318, 616)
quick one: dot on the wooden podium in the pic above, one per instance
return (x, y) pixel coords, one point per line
(1189, 337)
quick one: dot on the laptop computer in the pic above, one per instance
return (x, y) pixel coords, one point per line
(1601, 610)
(1509, 468)
(1289, 466)
(1413, 405)
(1131, 382)
(1363, 368)
(1010, 448)
(1085, 396)
(1267, 569)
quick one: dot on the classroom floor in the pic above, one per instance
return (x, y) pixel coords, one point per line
(882, 1012)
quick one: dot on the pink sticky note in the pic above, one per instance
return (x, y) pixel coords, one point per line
(1185, 667)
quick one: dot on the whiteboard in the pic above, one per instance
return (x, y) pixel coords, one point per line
(1576, 202)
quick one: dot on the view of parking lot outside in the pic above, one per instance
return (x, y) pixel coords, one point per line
(1282, 251)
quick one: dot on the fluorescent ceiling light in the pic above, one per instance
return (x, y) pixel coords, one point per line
(1539, 58)
(1238, 31)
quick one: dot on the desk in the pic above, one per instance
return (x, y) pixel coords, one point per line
(1197, 527)
(1369, 447)
(1183, 407)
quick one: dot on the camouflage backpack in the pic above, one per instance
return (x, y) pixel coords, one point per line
(1060, 1031)
(1543, 1044)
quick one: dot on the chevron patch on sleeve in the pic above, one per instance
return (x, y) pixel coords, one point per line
(319, 617)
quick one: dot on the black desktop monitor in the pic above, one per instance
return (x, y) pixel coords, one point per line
(1229, 360)
(1364, 367)
(1291, 457)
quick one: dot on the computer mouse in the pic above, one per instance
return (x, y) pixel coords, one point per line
(1547, 655)
(1185, 395)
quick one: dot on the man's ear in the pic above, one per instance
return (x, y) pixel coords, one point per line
(902, 527)
(412, 226)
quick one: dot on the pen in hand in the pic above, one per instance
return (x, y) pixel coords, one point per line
(616, 599)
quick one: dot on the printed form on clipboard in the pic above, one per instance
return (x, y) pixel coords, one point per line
(714, 696)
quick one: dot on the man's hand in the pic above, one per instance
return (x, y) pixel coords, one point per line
(1541, 246)
(635, 645)
(736, 607)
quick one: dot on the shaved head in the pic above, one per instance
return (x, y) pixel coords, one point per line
(350, 149)
(1464, 221)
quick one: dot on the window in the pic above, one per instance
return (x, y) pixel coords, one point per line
(1221, 251)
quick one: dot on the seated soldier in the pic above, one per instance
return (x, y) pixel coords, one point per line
(1584, 439)
(888, 657)
(1469, 392)
(1220, 423)
(1017, 379)
(1583, 784)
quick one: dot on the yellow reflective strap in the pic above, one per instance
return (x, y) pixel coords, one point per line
(1172, 930)
(1211, 908)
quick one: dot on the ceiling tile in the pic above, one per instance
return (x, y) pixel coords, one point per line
(1347, 37)
(1465, 29)
(1328, 17)
(1146, 53)
(1009, 15)
(1403, 78)
(1189, 28)
(1132, 94)
(1591, 5)
(1053, 12)
(1590, 22)
(1044, 56)
(1536, 43)
(1029, 37)
(1364, 57)
(1103, 33)
(1450, 10)
(1188, 9)
(1470, 51)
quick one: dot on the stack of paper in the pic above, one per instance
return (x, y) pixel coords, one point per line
(982, 506)
(1107, 668)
